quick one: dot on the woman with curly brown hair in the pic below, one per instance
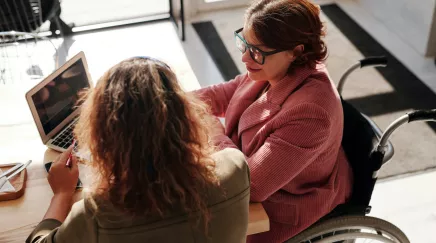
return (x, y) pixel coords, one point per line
(286, 116)
(157, 177)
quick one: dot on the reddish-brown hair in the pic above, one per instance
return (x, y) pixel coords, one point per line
(148, 140)
(285, 24)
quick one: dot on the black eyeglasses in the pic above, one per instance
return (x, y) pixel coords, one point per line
(256, 54)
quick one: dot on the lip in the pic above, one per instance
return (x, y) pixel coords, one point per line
(252, 70)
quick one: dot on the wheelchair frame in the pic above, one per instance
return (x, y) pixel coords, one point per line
(348, 227)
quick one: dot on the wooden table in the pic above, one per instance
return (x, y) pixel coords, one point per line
(19, 217)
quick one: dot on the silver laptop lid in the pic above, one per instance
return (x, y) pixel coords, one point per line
(54, 101)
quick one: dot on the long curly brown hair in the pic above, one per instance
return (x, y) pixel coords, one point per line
(148, 140)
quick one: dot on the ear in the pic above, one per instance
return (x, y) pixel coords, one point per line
(298, 50)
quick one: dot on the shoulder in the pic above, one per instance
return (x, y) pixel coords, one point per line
(318, 82)
(230, 163)
(229, 157)
(232, 170)
(320, 72)
(317, 94)
(80, 208)
(83, 210)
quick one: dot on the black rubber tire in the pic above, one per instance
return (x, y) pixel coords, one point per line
(351, 222)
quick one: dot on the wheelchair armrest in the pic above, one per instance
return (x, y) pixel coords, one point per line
(389, 147)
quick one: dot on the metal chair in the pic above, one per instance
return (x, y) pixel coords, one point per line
(29, 15)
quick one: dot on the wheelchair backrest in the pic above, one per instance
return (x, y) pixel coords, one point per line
(359, 141)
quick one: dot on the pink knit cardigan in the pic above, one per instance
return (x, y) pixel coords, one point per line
(291, 136)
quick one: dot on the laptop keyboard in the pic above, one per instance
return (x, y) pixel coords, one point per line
(65, 138)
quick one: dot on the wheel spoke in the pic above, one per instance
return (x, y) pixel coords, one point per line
(354, 229)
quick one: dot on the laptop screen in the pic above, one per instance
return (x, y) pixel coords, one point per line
(58, 98)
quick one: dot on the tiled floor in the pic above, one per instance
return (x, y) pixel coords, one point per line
(362, 83)
(410, 204)
(422, 67)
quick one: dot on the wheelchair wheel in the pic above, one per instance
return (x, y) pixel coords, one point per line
(351, 229)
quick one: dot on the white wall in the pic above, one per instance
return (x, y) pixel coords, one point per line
(432, 36)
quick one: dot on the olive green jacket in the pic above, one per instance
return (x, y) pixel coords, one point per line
(92, 223)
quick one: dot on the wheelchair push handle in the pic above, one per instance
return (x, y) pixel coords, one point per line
(375, 61)
(418, 115)
(422, 115)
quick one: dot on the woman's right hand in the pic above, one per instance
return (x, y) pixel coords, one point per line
(63, 179)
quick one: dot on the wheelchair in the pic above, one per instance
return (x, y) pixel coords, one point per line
(367, 149)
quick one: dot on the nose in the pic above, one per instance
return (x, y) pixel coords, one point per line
(246, 57)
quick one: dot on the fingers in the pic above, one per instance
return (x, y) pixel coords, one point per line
(59, 170)
(74, 168)
(64, 156)
(69, 151)
(74, 161)
(74, 165)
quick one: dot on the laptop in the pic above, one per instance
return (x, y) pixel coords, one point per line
(54, 102)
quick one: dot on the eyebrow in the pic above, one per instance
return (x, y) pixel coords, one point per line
(260, 45)
(257, 45)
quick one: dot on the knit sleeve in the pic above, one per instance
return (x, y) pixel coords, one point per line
(44, 231)
(218, 96)
(77, 227)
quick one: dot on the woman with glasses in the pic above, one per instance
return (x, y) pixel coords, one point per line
(157, 178)
(286, 116)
